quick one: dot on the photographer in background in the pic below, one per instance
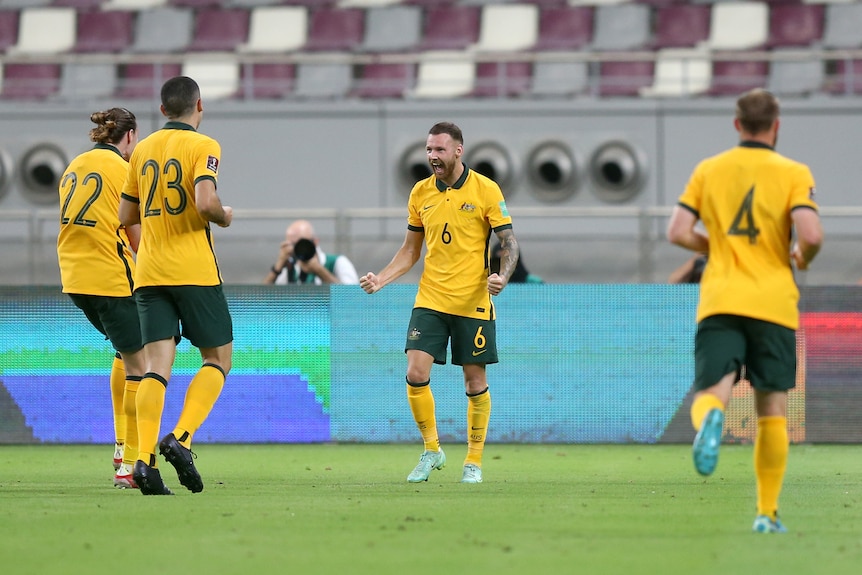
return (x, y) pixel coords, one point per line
(301, 261)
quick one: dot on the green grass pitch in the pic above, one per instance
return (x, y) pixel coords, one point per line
(347, 509)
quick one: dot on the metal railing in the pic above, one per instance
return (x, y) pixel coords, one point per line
(840, 74)
(646, 233)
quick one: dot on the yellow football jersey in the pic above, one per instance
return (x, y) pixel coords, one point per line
(176, 242)
(744, 197)
(92, 249)
(457, 223)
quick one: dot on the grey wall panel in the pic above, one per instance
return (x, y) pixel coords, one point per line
(826, 135)
(279, 155)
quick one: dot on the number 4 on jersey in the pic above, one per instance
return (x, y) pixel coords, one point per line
(743, 223)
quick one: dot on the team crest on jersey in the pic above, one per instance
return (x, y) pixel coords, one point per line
(212, 164)
(503, 209)
(414, 334)
(467, 207)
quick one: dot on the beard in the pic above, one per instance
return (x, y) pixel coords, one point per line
(446, 171)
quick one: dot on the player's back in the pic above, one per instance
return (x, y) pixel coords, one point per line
(746, 197)
(92, 250)
(176, 243)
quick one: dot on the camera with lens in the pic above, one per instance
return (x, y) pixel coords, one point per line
(304, 249)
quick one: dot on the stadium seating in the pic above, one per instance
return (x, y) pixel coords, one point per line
(564, 28)
(366, 3)
(8, 29)
(198, 3)
(621, 27)
(501, 79)
(384, 80)
(444, 74)
(30, 81)
(334, 29)
(681, 36)
(162, 30)
(99, 31)
(681, 26)
(323, 80)
(842, 25)
(24, 3)
(559, 79)
(86, 81)
(45, 31)
(132, 4)
(143, 81)
(79, 4)
(624, 78)
(261, 81)
(738, 26)
(276, 29)
(508, 27)
(732, 77)
(680, 72)
(795, 25)
(392, 28)
(219, 30)
(217, 78)
(450, 28)
(795, 77)
(846, 78)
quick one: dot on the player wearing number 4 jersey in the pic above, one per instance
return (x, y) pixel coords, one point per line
(96, 265)
(171, 191)
(752, 201)
(454, 212)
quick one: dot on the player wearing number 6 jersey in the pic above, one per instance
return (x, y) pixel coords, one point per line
(752, 201)
(96, 265)
(454, 212)
(171, 191)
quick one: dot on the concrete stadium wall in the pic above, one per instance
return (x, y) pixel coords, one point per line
(355, 154)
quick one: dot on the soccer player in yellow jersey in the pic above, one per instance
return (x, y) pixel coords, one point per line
(97, 267)
(454, 212)
(752, 202)
(171, 191)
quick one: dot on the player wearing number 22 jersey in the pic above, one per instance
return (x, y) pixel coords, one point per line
(97, 268)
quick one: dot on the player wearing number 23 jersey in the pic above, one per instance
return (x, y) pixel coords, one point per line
(746, 194)
(171, 191)
(176, 242)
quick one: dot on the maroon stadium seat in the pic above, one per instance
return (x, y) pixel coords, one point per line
(502, 79)
(450, 27)
(625, 78)
(564, 28)
(109, 31)
(219, 30)
(267, 81)
(144, 81)
(385, 80)
(30, 81)
(334, 29)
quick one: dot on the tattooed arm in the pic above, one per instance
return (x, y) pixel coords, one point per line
(509, 253)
